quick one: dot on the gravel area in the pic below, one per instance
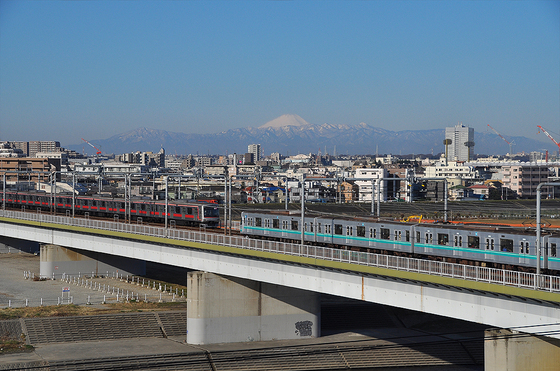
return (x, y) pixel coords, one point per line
(17, 291)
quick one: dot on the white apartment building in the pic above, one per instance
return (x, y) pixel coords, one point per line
(62, 156)
(365, 186)
(452, 169)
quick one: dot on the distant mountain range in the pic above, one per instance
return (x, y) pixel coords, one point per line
(290, 135)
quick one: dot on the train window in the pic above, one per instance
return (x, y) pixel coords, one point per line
(460, 241)
(474, 242)
(276, 223)
(489, 244)
(349, 231)
(122, 205)
(94, 203)
(443, 239)
(318, 227)
(258, 222)
(407, 236)
(553, 249)
(396, 235)
(284, 224)
(328, 229)
(311, 227)
(178, 209)
(338, 229)
(295, 225)
(305, 227)
(417, 237)
(361, 231)
(506, 245)
(385, 233)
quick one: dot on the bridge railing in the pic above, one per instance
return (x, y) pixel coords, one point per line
(444, 269)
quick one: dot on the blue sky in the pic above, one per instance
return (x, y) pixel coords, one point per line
(92, 69)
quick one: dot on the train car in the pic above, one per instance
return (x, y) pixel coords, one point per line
(183, 213)
(489, 244)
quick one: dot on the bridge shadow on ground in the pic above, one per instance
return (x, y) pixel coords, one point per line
(407, 336)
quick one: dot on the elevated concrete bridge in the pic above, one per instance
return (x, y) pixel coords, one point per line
(521, 302)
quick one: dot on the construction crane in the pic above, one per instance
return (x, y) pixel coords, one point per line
(97, 149)
(550, 136)
(505, 140)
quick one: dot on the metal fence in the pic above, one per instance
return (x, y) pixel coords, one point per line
(466, 272)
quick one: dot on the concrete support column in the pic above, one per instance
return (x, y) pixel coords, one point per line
(506, 350)
(58, 260)
(227, 309)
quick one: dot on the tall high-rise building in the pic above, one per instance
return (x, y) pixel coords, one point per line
(459, 143)
(255, 149)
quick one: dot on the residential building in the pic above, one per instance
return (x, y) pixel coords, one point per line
(23, 146)
(451, 169)
(6, 150)
(461, 143)
(255, 149)
(43, 146)
(370, 177)
(348, 191)
(524, 178)
(62, 156)
(38, 168)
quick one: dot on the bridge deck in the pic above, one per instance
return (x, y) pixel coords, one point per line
(499, 281)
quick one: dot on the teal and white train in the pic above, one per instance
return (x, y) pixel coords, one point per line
(495, 246)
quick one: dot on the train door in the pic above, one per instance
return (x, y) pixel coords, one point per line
(410, 237)
(372, 235)
(349, 234)
(429, 237)
(524, 247)
(489, 243)
(458, 240)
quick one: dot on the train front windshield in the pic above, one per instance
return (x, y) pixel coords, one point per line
(210, 212)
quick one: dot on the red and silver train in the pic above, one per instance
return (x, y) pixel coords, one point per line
(182, 212)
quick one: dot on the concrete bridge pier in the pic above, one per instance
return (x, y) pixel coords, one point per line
(14, 245)
(58, 260)
(506, 350)
(223, 309)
